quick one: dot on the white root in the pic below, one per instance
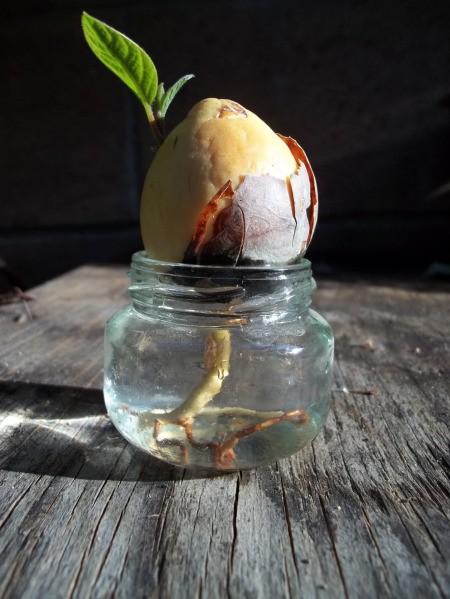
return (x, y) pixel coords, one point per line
(217, 363)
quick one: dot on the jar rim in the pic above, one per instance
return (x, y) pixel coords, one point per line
(141, 259)
(219, 292)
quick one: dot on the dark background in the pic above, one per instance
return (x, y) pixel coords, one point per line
(363, 86)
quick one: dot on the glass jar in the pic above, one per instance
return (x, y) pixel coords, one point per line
(218, 367)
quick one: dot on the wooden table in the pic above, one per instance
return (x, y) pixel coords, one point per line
(363, 512)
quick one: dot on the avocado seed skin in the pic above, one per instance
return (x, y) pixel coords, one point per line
(219, 141)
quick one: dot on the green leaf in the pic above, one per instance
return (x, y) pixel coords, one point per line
(157, 102)
(125, 58)
(171, 93)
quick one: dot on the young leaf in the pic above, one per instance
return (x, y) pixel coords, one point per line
(159, 98)
(125, 58)
(171, 92)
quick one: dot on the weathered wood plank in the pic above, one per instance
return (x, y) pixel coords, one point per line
(63, 344)
(384, 438)
(363, 512)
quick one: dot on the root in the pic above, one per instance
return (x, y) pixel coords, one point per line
(226, 449)
(217, 363)
(223, 452)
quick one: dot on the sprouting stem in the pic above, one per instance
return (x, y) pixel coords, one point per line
(156, 124)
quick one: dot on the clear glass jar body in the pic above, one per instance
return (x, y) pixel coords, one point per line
(218, 368)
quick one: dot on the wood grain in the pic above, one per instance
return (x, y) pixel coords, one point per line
(363, 512)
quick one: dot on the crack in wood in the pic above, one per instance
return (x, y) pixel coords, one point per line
(104, 510)
(418, 553)
(235, 533)
(289, 525)
(369, 527)
(428, 531)
(105, 556)
(333, 545)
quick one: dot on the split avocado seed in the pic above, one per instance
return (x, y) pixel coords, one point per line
(224, 188)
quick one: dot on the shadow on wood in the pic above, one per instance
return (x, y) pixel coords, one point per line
(64, 431)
